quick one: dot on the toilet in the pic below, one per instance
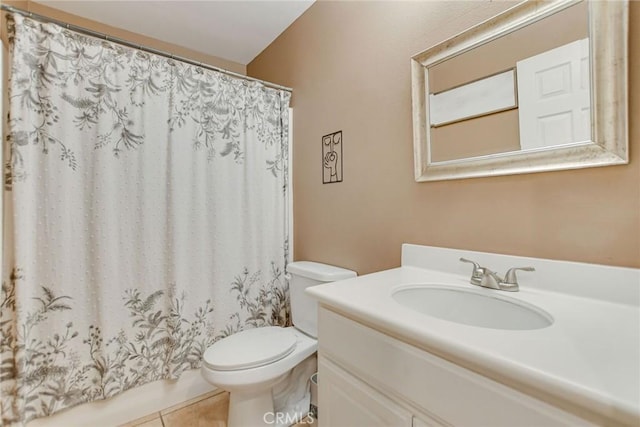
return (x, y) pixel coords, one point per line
(250, 363)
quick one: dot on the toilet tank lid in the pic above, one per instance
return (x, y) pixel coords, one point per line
(320, 272)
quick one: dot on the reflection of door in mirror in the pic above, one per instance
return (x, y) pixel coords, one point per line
(500, 132)
(553, 90)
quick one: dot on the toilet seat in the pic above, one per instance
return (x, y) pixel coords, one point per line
(250, 348)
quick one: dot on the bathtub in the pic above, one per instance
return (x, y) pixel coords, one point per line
(131, 404)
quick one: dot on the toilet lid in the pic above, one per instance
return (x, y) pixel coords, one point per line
(250, 348)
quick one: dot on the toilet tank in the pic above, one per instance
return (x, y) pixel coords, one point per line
(304, 308)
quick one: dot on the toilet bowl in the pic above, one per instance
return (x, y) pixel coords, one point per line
(250, 363)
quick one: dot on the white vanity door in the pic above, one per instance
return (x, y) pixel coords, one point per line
(553, 97)
(345, 401)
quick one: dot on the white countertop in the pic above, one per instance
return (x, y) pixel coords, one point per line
(587, 360)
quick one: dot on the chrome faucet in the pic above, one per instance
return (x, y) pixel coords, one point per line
(482, 276)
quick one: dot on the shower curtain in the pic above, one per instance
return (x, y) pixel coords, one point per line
(144, 217)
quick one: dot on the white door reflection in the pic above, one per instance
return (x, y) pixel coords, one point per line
(554, 97)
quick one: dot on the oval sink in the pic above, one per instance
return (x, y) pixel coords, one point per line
(471, 307)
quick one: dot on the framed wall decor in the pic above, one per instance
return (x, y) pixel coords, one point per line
(332, 158)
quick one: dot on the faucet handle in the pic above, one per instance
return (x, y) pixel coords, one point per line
(475, 264)
(478, 271)
(511, 279)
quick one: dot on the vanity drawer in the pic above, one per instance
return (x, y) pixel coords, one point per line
(451, 393)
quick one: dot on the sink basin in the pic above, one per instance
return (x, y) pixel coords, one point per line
(482, 308)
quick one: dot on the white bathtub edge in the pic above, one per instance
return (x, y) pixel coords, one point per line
(130, 405)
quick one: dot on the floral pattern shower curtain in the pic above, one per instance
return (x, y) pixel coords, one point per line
(145, 217)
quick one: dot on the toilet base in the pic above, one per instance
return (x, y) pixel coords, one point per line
(250, 410)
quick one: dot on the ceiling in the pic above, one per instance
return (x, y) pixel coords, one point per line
(235, 30)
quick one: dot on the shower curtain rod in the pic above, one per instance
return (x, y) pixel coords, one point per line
(124, 42)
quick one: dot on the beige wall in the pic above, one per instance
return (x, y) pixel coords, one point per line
(348, 63)
(489, 134)
(123, 34)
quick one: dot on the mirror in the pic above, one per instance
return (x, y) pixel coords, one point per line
(540, 87)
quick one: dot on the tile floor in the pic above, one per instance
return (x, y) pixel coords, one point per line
(208, 410)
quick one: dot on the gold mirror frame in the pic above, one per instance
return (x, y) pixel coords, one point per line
(608, 39)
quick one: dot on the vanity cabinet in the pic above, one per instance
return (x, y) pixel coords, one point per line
(348, 401)
(368, 378)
